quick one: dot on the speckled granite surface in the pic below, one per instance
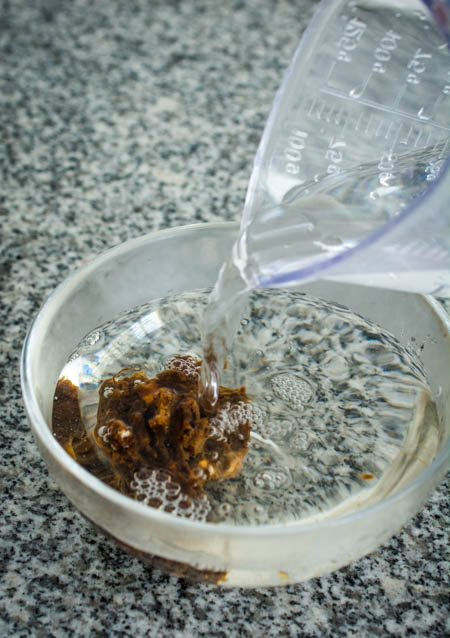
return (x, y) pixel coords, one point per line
(118, 118)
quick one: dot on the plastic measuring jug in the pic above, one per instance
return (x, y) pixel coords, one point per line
(352, 176)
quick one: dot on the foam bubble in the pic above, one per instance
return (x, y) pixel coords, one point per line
(273, 428)
(292, 389)
(271, 478)
(159, 489)
(300, 439)
(104, 433)
(186, 365)
(256, 416)
(230, 417)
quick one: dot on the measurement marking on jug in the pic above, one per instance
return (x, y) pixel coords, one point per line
(446, 89)
(435, 165)
(353, 32)
(396, 136)
(347, 120)
(328, 115)
(417, 66)
(316, 108)
(369, 122)
(433, 168)
(341, 117)
(421, 15)
(388, 130)
(293, 151)
(330, 71)
(383, 51)
(311, 108)
(419, 135)
(358, 122)
(427, 111)
(319, 110)
(334, 155)
(405, 140)
(386, 165)
(423, 114)
(379, 127)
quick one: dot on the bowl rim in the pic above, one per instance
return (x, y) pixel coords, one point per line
(45, 437)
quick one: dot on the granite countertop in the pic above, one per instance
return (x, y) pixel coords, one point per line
(118, 118)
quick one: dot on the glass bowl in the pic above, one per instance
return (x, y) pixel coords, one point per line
(188, 258)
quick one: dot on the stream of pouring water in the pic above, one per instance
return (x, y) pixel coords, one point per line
(220, 323)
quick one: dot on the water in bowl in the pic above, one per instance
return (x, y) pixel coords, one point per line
(341, 412)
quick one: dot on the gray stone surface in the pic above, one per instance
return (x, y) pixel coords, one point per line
(118, 118)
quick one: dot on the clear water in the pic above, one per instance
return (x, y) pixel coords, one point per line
(341, 413)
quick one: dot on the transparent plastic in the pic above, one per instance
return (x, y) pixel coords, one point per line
(352, 177)
(254, 555)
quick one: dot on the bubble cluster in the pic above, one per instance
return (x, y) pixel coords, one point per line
(300, 439)
(104, 433)
(273, 428)
(292, 389)
(158, 489)
(230, 417)
(186, 365)
(255, 415)
(272, 478)
(120, 434)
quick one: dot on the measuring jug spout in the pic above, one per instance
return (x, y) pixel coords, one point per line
(352, 178)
